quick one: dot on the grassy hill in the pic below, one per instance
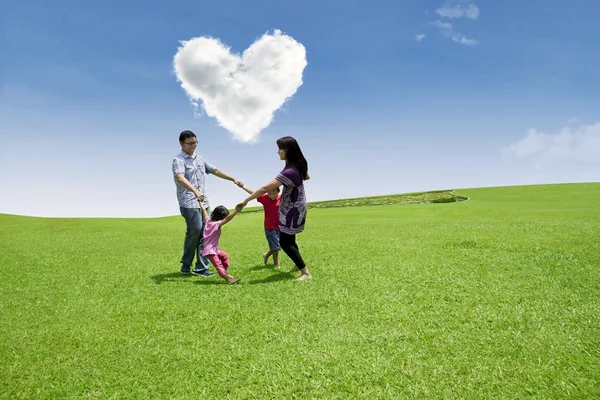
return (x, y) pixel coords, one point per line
(495, 297)
(437, 196)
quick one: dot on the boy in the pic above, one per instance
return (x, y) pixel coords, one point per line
(270, 202)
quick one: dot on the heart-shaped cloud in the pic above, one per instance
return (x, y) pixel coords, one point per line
(241, 92)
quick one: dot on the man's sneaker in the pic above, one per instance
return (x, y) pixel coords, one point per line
(185, 271)
(205, 274)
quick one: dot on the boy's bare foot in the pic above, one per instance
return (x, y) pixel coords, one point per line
(276, 266)
(265, 258)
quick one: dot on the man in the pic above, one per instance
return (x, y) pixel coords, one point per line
(189, 171)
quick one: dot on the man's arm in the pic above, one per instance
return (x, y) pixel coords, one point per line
(227, 177)
(181, 179)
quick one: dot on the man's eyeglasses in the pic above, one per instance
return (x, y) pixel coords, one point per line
(190, 143)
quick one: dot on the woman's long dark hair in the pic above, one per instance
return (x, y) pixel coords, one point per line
(294, 154)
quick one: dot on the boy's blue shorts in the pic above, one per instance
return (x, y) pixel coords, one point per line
(273, 239)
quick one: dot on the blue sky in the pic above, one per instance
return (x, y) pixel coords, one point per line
(91, 110)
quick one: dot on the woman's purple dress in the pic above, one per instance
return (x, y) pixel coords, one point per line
(292, 209)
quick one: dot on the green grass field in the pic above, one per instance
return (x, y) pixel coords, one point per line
(494, 297)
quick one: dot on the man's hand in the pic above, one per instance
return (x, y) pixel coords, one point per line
(239, 183)
(199, 195)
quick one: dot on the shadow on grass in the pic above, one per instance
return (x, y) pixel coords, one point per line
(216, 280)
(276, 277)
(260, 267)
(177, 277)
(172, 277)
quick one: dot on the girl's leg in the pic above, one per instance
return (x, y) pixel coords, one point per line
(224, 258)
(216, 262)
(288, 244)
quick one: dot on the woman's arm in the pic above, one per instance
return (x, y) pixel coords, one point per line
(260, 191)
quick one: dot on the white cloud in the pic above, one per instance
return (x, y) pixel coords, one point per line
(472, 12)
(442, 26)
(458, 11)
(419, 37)
(241, 92)
(451, 11)
(462, 39)
(447, 30)
(578, 145)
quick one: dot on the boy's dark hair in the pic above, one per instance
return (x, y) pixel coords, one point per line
(294, 154)
(219, 213)
(186, 135)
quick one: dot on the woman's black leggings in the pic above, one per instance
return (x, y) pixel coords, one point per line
(289, 246)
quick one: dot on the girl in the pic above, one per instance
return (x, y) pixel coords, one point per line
(212, 232)
(292, 207)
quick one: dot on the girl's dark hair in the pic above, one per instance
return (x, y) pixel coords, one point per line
(294, 154)
(219, 213)
(186, 135)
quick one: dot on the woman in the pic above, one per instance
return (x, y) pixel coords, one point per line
(292, 208)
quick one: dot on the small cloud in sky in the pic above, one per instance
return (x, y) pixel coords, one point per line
(442, 26)
(462, 39)
(458, 11)
(446, 29)
(578, 145)
(241, 92)
(419, 37)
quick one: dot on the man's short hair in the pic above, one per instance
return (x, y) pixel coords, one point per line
(186, 135)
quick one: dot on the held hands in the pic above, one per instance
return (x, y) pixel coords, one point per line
(240, 206)
(199, 195)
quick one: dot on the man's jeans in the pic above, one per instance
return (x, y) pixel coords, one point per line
(194, 239)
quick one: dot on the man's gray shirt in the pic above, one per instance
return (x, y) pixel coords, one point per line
(195, 169)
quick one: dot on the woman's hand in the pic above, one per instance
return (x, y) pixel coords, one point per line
(240, 206)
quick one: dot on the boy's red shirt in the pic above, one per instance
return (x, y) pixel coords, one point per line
(271, 211)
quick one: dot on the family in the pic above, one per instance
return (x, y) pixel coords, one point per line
(284, 214)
